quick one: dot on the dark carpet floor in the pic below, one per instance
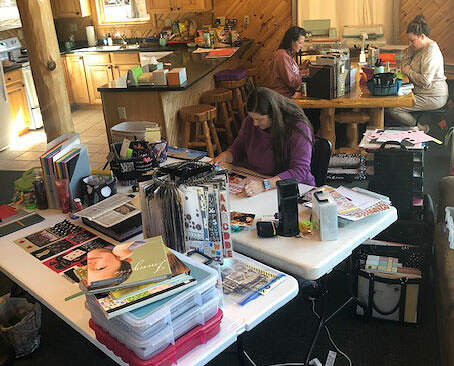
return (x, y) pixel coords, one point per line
(284, 336)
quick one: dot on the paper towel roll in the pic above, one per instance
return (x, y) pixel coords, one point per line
(91, 38)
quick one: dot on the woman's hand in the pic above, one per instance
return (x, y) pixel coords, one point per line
(406, 69)
(305, 64)
(253, 187)
(224, 157)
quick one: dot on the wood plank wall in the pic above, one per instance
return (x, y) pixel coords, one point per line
(268, 21)
(440, 17)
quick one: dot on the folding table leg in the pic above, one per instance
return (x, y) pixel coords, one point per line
(240, 350)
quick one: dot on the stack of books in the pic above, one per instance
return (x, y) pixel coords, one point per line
(127, 276)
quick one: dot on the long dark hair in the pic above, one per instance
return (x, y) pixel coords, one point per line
(284, 115)
(419, 26)
(292, 35)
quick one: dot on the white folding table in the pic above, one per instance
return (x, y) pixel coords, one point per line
(306, 258)
(51, 289)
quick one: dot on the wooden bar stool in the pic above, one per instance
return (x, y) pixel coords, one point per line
(252, 77)
(238, 88)
(204, 115)
(352, 119)
(235, 80)
(222, 100)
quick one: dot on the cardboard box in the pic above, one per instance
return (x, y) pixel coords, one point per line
(177, 76)
(160, 77)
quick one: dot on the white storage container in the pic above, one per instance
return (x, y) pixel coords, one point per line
(130, 130)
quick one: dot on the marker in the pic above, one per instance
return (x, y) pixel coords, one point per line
(77, 294)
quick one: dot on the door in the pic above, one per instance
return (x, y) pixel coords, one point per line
(78, 79)
(67, 8)
(97, 75)
(162, 6)
(17, 101)
(190, 5)
(121, 70)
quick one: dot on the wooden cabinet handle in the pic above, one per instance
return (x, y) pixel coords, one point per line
(77, 13)
(9, 79)
(171, 9)
(178, 8)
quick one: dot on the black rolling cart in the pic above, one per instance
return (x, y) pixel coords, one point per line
(398, 172)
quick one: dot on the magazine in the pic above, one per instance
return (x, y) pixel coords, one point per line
(352, 205)
(180, 273)
(110, 211)
(127, 265)
(112, 307)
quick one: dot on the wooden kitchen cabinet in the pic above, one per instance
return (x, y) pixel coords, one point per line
(97, 75)
(71, 8)
(164, 6)
(17, 97)
(78, 87)
(87, 72)
(122, 62)
(121, 70)
(191, 5)
(67, 81)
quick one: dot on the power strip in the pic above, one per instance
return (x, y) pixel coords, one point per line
(331, 358)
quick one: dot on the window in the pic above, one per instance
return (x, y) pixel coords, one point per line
(122, 11)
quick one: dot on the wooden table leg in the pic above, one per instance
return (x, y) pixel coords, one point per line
(327, 125)
(377, 118)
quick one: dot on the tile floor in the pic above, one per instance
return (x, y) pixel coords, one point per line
(24, 153)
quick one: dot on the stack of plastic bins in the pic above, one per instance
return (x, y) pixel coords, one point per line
(151, 329)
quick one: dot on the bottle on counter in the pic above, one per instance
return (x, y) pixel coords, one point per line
(109, 40)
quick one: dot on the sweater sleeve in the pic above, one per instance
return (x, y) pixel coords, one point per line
(300, 158)
(429, 65)
(238, 148)
(288, 71)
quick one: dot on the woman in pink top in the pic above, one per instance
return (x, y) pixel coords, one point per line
(285, 74)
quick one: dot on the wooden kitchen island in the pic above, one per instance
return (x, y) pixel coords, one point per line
(161, 104)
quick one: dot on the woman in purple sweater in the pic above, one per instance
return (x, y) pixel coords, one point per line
(275, 139)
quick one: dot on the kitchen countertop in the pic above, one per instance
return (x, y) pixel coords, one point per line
(197, 66)
(153, 48)
(11, 68)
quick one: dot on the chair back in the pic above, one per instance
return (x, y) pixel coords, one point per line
(321, 154)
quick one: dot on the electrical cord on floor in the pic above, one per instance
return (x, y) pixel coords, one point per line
(302, 364)
(329, 335)
(277, 364)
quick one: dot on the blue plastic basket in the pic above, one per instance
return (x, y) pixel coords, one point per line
(393, 89)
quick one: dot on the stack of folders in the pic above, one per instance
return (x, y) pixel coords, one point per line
(128, 276)
(65, 158)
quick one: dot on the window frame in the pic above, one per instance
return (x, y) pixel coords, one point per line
(102, 21)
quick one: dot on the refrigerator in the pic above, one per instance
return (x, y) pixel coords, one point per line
(6, 118)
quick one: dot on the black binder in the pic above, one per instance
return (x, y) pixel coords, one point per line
(321, 83)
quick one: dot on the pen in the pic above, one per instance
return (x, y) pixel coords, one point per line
(257, 293)
(77, 294)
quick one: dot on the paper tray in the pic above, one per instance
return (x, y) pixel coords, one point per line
(197, 336)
